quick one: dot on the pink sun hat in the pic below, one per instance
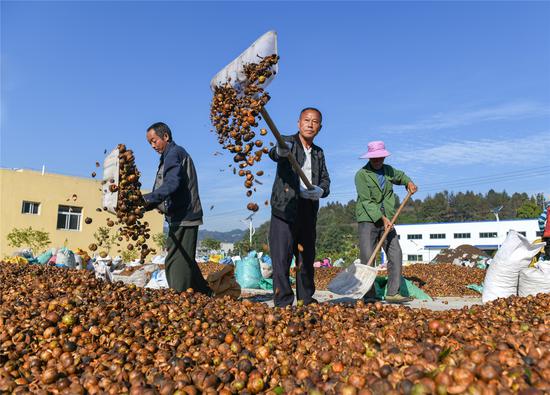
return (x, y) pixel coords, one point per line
(376, 149)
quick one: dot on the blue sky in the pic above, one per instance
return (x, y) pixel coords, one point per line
(460, 92)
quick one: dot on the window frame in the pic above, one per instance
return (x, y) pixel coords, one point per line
(438, 234)
(410, 236)
(31, 205)
(68, 215)
(466, 235)
(417, 258)
(488, 235)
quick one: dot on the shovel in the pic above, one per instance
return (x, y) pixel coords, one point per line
(387, 231)
(234, 74)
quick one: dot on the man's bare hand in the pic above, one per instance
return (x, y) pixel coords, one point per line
(412, 188)
(387, 223)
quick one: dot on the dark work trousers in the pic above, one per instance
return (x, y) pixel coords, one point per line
(284, 241)
(369, 235)
(182, 271)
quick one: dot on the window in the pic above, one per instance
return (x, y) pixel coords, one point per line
(487, 235)
(68, 217)
(523, 233)
(414, 258)
(462, 235)
(437, 236)
(30, 207)
(539, 233)
(414, 237)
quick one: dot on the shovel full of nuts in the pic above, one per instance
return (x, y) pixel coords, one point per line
(238, 102)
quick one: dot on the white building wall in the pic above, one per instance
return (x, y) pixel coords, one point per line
(226, 247)
(424, 249)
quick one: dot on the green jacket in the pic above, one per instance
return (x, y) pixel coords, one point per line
(370, 196)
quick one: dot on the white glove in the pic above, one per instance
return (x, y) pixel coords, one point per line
(283, 151)
(312, 194)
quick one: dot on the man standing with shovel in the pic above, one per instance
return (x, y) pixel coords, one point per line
(294, 209)
(376, 204)
(176, 194)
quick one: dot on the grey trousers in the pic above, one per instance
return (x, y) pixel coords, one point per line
(182, 271)
(369, 235)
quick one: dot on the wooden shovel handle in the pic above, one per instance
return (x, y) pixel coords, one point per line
(388, 230)
(282, 143)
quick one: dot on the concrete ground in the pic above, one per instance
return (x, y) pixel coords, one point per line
(446, 303)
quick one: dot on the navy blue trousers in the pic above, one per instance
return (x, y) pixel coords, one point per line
(288, 239)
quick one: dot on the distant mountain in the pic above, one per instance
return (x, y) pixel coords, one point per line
(227, 237)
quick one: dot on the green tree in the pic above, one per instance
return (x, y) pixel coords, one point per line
(36, 240)
(211, 244)
(129, 255)
(160, 239)
(104, 238)
(529, 209)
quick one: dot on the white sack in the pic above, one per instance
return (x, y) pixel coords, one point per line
(102, 271)
(535, 280)
(515, 254)
(354, 281)
(65, 257)
(158, 280)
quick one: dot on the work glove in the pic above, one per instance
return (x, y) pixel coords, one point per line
(283, 151)
(312, 194)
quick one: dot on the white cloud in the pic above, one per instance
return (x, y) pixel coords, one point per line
(509, 111)
(487, 151)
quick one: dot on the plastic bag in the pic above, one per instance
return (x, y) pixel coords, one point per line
(158, 280)
(514, 255)
(354, 281)
(340, 263)
(406, 288)
(65, 257)
(102, 271)
(223, 283)
(159, 259)
(24, 253)
(266, 284)
(266, 269)
(248, 272)
(476, 287)
(44, 258)
(78, 261)
(535, 280)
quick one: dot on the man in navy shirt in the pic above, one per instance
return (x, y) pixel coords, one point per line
(176, 195)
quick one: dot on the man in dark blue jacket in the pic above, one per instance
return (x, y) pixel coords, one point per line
(176, 195)
(294, 210)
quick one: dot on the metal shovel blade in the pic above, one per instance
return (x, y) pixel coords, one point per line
(234, 74)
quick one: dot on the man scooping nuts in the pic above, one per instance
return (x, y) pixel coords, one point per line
(176, 194)
(294, 209)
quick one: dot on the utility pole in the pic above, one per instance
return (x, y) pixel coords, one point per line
(251, 229)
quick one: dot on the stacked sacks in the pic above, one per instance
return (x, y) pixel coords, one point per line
(503, 274)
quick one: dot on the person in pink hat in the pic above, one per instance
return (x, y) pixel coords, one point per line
(376, 205)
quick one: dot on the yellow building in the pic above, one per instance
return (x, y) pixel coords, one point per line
(57, 204)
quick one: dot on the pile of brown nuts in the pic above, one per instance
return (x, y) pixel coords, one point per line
(444, 279)
(235, 112)
(64, 331)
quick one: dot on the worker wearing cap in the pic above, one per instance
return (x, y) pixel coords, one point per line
(294, 210)
(376, 206)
